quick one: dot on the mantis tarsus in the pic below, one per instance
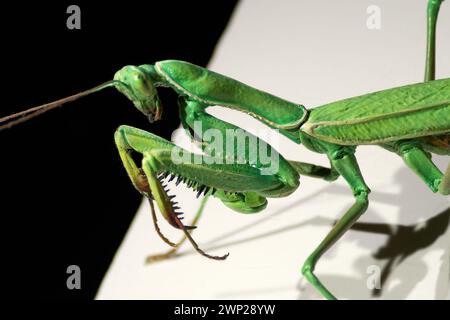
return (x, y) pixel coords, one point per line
(412, 121)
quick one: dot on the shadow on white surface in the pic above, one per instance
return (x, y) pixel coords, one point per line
(403, 241)
(311, 53)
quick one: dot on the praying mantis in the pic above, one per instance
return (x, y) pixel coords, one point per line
(412, 121)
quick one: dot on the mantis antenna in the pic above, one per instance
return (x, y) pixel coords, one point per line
(16, 118)
(22, 116)
(186, 233)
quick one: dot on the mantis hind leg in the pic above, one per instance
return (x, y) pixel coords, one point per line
(346, 165)
(432, 15)
(419, 161)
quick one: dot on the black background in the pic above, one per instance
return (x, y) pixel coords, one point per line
(65, 198)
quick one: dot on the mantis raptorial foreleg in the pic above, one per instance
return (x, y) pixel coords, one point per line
(191, 112)
(302, 168)
(195, 111)
(171, 252)
(137, 177)
(134, 173)
(347, 166)
(239, 186)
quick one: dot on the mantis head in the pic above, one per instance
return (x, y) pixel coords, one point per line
(137, 83)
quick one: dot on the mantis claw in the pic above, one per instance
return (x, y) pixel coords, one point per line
(155, 224)
(142, 185)
(186, 230)
(170, 208)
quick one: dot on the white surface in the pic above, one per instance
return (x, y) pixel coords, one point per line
(311, 52)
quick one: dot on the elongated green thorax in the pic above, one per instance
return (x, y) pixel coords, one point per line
(211, 88)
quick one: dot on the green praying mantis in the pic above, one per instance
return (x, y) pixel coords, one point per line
(412, 121)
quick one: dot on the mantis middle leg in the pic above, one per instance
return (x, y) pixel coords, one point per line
(345, 163)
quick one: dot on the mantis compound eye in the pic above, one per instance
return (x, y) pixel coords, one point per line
(137, 85)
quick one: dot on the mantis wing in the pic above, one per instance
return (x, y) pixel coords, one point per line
(406, 112)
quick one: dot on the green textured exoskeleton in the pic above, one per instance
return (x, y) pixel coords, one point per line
(412, 121)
